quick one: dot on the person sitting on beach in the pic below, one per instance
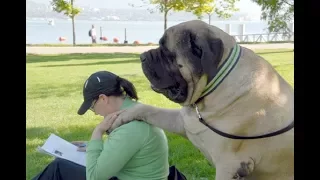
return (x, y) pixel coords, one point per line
(133, 151)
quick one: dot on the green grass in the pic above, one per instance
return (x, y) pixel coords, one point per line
(54, 84)
(130, 44)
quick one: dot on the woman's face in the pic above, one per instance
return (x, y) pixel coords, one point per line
(103, 106)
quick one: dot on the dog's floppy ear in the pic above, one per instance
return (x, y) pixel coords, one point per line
(208, 51)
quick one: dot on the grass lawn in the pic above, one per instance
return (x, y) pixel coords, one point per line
(131, 44)
(54, 85)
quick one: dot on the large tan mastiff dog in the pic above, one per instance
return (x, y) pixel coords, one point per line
(236, 109)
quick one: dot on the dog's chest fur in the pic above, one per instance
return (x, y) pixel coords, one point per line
(213, 146)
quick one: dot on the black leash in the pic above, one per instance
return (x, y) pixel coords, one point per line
(289, 127)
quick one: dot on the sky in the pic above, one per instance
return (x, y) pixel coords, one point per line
(246, 6)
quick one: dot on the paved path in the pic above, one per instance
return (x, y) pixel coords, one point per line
(130, 49)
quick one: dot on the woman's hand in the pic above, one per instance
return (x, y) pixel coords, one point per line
(104, 126)
(107, 122)
(82, 145)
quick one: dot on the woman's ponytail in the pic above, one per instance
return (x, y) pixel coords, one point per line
(128, 87)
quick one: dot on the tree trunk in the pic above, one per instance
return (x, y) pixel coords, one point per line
(73, 32)
(165, 19)
(73, 27)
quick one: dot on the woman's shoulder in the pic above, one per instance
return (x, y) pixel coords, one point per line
(139, 127)
(136, 124)
(133, 126)
(137, 131)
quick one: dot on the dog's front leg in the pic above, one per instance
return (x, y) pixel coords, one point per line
(167, 119)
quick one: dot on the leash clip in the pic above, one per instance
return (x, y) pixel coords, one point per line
(197, 110)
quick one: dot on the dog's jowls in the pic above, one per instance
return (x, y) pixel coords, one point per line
(252, 100)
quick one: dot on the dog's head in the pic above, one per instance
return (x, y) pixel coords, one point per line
(187, 58)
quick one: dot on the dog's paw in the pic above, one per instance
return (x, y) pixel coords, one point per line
(136, 112)
(118, 122)
(244, 170)
(124, 117)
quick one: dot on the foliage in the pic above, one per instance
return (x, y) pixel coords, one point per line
(167, 5)
(278, 14)
(163, 6)
(67, 8)
(223, 8)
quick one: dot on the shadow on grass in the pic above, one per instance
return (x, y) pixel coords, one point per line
(47, 90)
(95, 63)
(282, 65)
(36, 161)
(70, 133)
(36, 132)
(65, 90)
(35, 58)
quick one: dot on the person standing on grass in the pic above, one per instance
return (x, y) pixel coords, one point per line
(93, 35)
(133, 151)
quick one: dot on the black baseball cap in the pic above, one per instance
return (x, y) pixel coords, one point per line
(101, 82)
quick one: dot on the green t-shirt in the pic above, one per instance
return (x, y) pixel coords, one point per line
(133, 151)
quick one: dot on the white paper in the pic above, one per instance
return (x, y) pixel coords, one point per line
(58, 147)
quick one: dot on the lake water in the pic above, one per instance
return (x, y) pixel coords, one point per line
(39, 31)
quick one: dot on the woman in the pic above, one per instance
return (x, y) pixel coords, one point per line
(132, 151)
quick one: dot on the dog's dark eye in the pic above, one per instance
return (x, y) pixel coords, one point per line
(169, 55)
(196, 50)
(162, 41)
(172, 55)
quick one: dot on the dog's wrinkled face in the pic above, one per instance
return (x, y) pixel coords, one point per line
(161, 68)
(186, 52)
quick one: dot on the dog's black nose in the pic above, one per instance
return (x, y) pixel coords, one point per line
(143, 57)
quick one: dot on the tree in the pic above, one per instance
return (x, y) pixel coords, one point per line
(164, 6)
(207, 9)
(278, 14)
(67, 8)
(223, 8)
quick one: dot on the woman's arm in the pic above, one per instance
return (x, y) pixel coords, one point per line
(106, 159)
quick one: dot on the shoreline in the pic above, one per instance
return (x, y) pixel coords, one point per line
(129, 49)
